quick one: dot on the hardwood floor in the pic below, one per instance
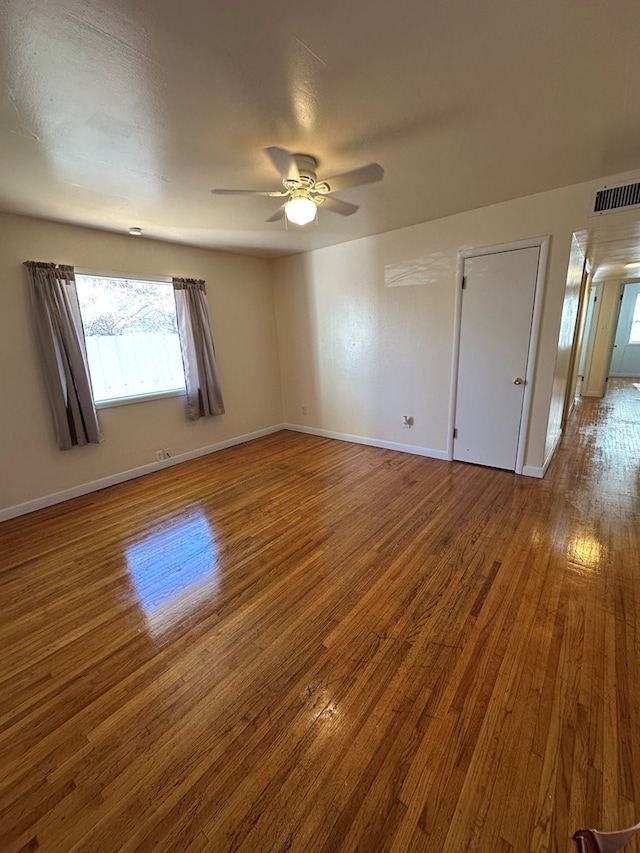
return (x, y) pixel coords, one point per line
(306, 645)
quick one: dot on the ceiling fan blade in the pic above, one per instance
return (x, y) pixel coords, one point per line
(357, 177)
(279, 214)
(285, 163)
(336, 205)
(275, 194)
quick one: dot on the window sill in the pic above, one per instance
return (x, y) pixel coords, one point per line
(140, 398)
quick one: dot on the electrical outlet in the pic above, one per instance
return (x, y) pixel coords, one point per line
(304, 410)
(159, 455)
(407, 421)
(167, 453)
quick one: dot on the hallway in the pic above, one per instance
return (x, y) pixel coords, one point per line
(595, 479)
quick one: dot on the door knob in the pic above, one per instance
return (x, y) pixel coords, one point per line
(518, 381)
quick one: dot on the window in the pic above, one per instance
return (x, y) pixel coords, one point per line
(634, 337)
(132, 338)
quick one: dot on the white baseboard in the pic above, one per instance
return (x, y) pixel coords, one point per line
(372, 442)
(131, 474)
(533, 471)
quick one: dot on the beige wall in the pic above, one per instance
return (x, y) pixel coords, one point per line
(365, 335)
(361, 354)
(240, 296)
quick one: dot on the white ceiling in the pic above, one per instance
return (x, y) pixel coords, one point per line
(610, 248)
(127, 112)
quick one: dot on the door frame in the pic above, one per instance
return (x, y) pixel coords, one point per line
(602, 334)
(535, 242)
(576, 346)
(625, 283)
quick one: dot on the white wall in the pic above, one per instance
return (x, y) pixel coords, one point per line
(240, 294)
(565, 343)
(361, 354)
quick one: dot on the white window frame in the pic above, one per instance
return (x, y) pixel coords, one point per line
(137, 398)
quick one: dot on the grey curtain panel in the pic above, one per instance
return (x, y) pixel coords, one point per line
(62, 349)
(204, 395)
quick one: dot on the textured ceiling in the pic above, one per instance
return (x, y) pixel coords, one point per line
(127, 112)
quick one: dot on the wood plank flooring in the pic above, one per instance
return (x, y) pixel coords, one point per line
(306, 645)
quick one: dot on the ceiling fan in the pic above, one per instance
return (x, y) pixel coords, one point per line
(304, 193)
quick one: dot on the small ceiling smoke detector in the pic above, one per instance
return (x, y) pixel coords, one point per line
(135, 231)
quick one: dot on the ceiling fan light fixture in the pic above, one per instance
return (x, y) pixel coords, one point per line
(303, 193)
(300, 209)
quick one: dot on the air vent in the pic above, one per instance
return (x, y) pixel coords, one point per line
(618, 197)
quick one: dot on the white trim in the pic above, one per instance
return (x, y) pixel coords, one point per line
(131, 474)
(455, 355)
(372, 442)
(152, 279)
(140, 398)
(550, 454)
(533, 471)
(535, 242)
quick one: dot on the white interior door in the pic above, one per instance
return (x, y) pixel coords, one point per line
(497, 313)
(625, 360)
